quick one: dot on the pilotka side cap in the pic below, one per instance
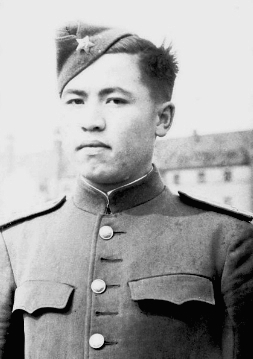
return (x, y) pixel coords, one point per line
(78, 45)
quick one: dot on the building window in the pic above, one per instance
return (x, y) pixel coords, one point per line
(227, 175)
(201, 177)
(176, 178)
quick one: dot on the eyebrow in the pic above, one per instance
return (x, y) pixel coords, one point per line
(103, 92)
(109, 90)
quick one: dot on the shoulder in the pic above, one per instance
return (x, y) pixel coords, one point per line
(200, 202)
(15, 218)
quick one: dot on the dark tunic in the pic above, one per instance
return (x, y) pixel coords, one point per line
(152, 276)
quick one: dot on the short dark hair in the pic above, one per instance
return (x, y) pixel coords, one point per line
(158, 65)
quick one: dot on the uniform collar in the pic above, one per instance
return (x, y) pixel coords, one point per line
(133, 194)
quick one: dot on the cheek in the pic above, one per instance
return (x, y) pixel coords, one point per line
(137, 145)
(140, 134)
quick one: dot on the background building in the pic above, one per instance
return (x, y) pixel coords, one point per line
(217, 166)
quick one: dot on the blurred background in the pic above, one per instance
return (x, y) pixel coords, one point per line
(210, 146)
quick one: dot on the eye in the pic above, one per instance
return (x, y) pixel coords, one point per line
(116, 101)
(75, 101)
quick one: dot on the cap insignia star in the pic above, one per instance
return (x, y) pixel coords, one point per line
(84, 44)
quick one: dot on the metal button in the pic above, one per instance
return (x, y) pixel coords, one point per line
(96, 341)
(106, 232)
(98, 286)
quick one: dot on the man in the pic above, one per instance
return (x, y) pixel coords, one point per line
(124, 269)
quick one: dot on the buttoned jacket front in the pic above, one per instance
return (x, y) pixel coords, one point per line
(141, 276)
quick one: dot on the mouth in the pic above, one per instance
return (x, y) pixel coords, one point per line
(92, 144)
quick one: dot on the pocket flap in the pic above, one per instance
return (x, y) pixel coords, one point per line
(175, 288)
(37, 294)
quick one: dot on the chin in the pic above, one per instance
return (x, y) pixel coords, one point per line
(96, 175)
(103, 176)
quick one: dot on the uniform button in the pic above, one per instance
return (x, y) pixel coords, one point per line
(98, 286)
(106, 232)
(96, 341)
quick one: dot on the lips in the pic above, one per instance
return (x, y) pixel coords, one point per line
(92, 144)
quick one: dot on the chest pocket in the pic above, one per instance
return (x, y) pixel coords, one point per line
(173, 288)
(37, 295)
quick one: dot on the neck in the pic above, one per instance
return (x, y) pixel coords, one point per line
(120, 199)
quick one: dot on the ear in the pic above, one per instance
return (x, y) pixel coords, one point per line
(165, 116)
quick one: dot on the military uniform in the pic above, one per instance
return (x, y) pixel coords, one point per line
(141, 273)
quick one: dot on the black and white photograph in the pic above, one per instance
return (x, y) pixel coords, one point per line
(126, 179)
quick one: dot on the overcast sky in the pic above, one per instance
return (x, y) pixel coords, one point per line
(213, 40)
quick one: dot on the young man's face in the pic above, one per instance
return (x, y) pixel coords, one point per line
(111, 121)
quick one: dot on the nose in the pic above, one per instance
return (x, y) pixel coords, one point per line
(92, 118)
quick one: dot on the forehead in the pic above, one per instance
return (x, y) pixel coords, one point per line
(110, 70)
